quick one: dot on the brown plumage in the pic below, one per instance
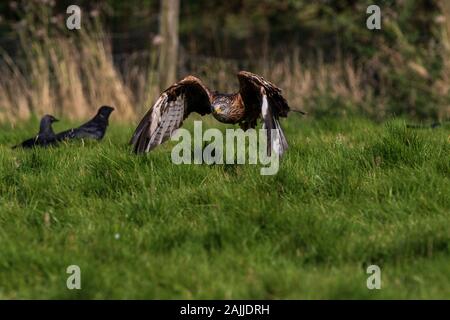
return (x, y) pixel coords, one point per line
(257, 98)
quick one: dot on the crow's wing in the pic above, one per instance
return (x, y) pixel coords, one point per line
(169, 111)
(42, 141)
(91, 129)
(68, 134)
(29, 143)
(263, 98)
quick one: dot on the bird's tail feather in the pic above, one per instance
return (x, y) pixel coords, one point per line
(276, 139)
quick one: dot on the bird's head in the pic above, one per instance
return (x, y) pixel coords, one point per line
(46, 124)
(220, 104)
(218, 109)
(105, 111)
(48, 119)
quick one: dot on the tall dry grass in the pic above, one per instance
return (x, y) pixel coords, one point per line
(71, 73)
(303, 81)
(60, 76)
(442, 86)
(68, 73)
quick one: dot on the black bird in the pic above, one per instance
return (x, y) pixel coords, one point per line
(93, 129)
(45, 137)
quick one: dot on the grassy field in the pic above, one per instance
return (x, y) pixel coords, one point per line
(349, 193)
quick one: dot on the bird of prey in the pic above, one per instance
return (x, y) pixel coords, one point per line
(45, 137)
(93, 129)
(257, 98)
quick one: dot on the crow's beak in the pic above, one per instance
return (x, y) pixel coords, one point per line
(55, 120)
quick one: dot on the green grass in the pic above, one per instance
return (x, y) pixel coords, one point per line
(349, 193)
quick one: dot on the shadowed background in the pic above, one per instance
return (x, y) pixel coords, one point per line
(320, 53)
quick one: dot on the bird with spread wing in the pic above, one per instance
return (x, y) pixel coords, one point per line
(256, 99)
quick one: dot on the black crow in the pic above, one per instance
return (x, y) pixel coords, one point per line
(45, 137)
(93, 129)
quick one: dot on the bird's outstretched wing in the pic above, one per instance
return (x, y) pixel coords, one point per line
(263, 98)
(169, 111)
